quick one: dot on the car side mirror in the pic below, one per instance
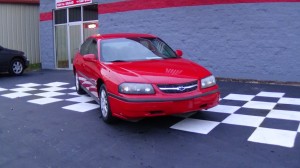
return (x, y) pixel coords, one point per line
(179, 53)
(89, 57)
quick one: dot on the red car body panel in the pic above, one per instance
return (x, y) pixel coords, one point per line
(92, 72)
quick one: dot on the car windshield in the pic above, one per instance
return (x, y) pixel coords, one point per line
(135, 49)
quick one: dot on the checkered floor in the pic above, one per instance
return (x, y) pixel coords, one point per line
(275, 119)
(43, 94)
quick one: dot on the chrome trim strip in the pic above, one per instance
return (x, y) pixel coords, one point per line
(138, 100)
(177, 88)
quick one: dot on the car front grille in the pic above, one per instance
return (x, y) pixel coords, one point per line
(178, 88)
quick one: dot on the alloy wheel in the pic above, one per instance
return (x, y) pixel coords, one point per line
(77, 82)
(17, 67)
(104, 103)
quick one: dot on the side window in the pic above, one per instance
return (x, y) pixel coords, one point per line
(163, 48)
(93, 48)
(84, 47)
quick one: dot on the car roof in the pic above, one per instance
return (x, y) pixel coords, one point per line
(120, 35)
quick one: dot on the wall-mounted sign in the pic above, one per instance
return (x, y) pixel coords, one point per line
(69, 3)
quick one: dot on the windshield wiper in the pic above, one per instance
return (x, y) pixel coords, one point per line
(170, 57)
(118, 61)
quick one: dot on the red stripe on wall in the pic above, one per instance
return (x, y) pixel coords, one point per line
(130, 5)
(46, 16)
(21, 1)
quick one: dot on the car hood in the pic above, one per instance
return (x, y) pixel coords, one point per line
(158, 71)
(7, 51)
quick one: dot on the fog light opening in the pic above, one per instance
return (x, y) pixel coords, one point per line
(203, 106)
(156, 112)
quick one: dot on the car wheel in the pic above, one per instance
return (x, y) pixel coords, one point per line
(16, 67)
(104, 105)
(78, 87)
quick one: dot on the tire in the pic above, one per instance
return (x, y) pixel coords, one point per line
(16, 67)
(78, 86)
(105, 106)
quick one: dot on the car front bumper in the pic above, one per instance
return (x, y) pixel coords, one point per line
(26, 63)
(139, 108)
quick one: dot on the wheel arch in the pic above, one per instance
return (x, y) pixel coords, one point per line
(99, 83)
(74, 70)
(17, 58)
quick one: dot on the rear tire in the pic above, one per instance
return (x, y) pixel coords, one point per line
(105, 106)
(16, 67)
(78, 86)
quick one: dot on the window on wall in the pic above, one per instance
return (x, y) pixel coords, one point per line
(72, 27)
(61, 44)
(60, 16)
(75, 14)
(90, 12)
(90, 28)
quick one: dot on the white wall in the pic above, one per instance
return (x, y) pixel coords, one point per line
(19, 29)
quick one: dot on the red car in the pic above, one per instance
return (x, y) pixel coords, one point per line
(133, 76)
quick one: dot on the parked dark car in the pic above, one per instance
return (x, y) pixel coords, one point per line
(12, 61)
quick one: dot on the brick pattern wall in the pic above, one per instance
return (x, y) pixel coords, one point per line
(250, 41)
(245, 40)
(47, 45)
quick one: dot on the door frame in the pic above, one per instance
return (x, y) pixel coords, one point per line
(68, 24)
(69, 39)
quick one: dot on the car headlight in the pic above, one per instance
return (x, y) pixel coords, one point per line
(136, 88)
(208, 82)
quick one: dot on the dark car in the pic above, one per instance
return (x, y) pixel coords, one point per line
(12, 61)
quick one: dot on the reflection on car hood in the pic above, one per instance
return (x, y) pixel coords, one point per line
(159, 71)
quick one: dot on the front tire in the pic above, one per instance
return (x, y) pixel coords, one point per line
(105, 106)
(16, 67)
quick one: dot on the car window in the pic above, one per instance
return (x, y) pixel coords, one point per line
(84, 47)
(163, 48)
(92, 48)
(132, 49)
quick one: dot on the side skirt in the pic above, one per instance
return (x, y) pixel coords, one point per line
(90, 94)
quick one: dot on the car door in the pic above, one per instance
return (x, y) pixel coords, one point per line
(1, 59)
(79, 63)
(5, 58)
(91, 67)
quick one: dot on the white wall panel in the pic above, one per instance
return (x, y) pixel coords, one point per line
(19, 29)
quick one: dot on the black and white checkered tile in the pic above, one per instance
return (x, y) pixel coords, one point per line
(43, 94)
(274, 118)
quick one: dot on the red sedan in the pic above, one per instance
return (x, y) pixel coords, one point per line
(133, 76)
